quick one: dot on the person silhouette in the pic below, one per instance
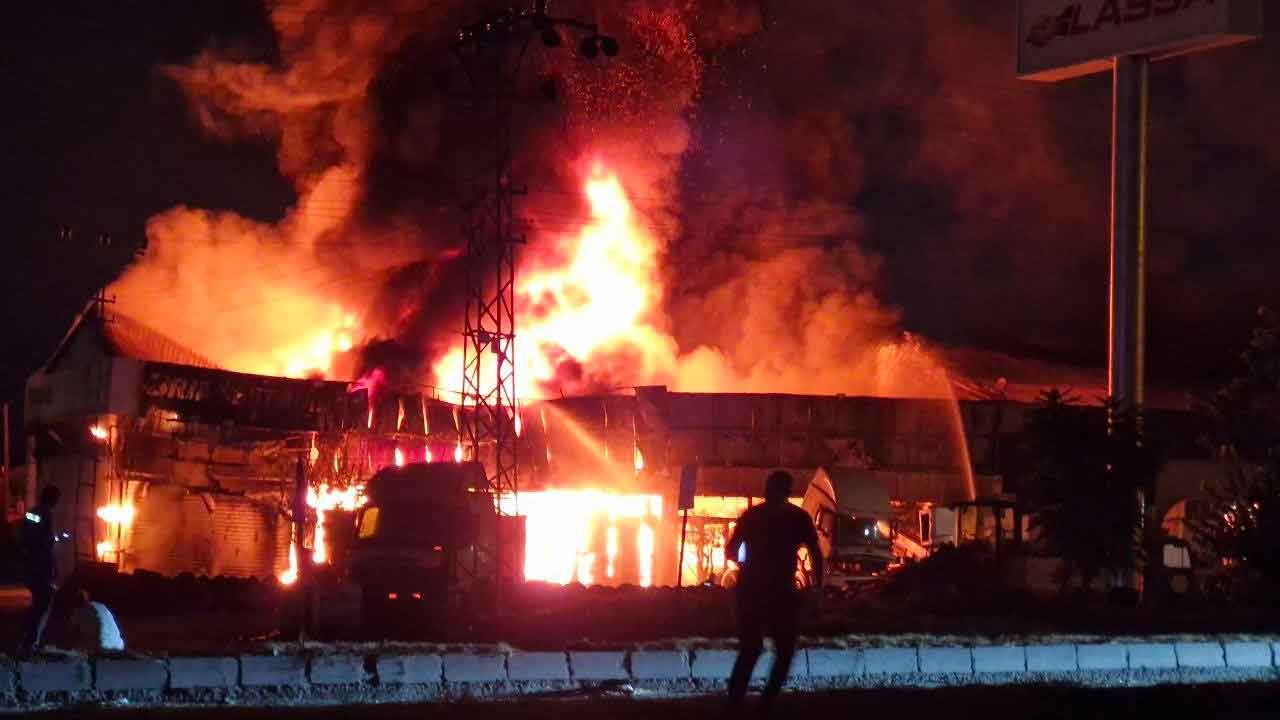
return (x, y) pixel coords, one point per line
(39, 566)
(765, 543)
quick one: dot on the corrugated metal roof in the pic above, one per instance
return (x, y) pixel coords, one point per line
(129, 338)
(122, 336)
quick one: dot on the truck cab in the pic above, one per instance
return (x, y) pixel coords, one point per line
(417, 534)
(851, 511)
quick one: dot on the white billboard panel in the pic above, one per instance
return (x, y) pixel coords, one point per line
(1059, 39)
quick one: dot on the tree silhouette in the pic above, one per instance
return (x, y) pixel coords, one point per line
(1241, 520)
(1083, 488)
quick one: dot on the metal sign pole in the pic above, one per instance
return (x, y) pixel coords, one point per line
(1058, 41)
(1127, 315)
(4, 491)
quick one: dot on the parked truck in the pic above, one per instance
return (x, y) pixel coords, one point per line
(425, 538)
(856, 527)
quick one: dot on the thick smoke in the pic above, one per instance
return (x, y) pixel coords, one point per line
(755, 141)
(283, 297)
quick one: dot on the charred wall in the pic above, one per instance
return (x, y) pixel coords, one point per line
(921, 437)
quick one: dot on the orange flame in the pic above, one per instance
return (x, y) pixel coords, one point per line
(104, 549)
(323, 500)
(314, 354)
(598, 302)
(563, 529)
(117, 514)
(289, 575)
(99, 432)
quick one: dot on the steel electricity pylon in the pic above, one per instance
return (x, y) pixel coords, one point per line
(491, 52)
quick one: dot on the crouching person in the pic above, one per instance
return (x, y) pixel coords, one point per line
(92, 627)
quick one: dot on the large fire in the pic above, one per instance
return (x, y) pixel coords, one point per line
(590, 536)
(601, 297)
(785, 302)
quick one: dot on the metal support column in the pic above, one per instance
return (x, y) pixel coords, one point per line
(1126, 356)
(1127, 315)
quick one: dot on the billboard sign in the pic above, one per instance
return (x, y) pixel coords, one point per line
(1060, 39)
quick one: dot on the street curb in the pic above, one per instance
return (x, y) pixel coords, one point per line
(351, 677)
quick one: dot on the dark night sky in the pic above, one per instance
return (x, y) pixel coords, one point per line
(97, 139)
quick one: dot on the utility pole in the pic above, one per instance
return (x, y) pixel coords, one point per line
(491, 52)
(4, 493)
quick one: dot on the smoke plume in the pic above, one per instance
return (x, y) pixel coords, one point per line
(752, 142)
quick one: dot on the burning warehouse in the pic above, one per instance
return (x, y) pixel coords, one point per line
(173, 465)
(236, 426)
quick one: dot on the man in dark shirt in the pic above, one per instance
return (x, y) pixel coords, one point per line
(40, 569)
(765, 543)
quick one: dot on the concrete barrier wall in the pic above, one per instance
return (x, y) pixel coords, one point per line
(345, 676)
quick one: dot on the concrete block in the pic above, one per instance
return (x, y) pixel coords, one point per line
(1247, 654)
(130, 674)
(598, 665)
(410, 669)
(886, 661)
(798, 670)
(660, 665)
(1051, 658)
(835, 662)
(1102, 657)
(1000, 659)
(523, 666)
(67, 675)
(338, 670)
(1152, 656)
(273, 670)
(203, 672)
(1198, 655)
(718, 664)
(946, 660)
(475, 667)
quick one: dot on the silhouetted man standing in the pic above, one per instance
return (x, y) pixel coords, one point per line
(40, 569)
(765, 543)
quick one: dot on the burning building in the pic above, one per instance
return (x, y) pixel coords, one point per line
(171, 464)
(663, 331)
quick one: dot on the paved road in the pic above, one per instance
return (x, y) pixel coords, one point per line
(1220, 701)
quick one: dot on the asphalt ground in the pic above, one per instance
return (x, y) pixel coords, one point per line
(1022, 703)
